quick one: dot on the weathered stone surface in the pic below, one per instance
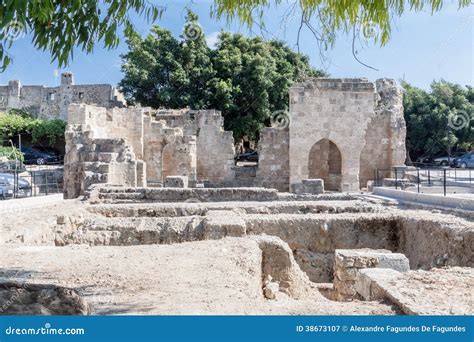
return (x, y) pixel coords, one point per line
(220, 223)
(366, 284)
(445, 291)
(176, 182)
(341, 130)
(279, 266)
(184, 143)
(309, 186)
(348, 263)
(38, 299)
(318, 266)
(273, 163)
(190, 195)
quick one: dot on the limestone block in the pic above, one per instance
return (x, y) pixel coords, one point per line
(176, 182)
(313, 186)
(221, 223)
(349, 262)
(367, 285)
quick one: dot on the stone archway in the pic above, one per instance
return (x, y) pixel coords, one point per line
(325, 162)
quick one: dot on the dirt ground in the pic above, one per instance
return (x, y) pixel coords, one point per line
(218, 277)
(203, 277)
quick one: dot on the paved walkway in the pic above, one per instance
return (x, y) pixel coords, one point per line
(30, 202)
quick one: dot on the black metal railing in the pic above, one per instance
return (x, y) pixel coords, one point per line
(426, 178)
(31, 181)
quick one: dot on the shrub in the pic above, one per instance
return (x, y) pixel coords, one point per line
(11, 153)
(20, 123)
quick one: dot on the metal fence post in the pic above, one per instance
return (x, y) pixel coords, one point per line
(418, 178)
(396, 179)
(444, 182)
(34, 183)
(429, 177)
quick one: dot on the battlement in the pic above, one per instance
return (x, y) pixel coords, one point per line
(340, 84)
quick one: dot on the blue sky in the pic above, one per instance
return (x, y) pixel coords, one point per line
(423, 48)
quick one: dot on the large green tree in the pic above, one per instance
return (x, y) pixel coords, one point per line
(59, 26)
(245, 78)
(440, 120)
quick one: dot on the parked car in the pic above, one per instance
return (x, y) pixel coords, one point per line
(465, 161)
(445, 160)
(10, 179)
(425, 161)
(34, 156)
(251, 156)
(49, 150)
(6, 190)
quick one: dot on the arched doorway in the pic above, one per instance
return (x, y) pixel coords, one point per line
(325, 162)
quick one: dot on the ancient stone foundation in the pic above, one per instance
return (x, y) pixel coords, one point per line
(348, 263)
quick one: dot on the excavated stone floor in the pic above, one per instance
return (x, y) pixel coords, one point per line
(226, 257)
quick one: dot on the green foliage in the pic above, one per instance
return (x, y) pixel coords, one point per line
(51, 130)
(13, 124)
(60, 26)
(11, 153)
(245, 78)
(439, 120)
(18, 111)
(327, 17)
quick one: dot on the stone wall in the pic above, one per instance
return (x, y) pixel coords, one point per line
(385, 139)
(340, 132)
(53, 102)
(214, 146)
(90, 160)
(273, 164)
(167, 143)
(364, 127)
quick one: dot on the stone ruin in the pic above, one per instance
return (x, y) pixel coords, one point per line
(339, 131)
(53, 102)
(142, 147)
(168, 227)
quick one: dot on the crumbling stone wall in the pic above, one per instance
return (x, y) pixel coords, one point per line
(214, 146)
(386, 132)
(91, 160)
(348, 114)
(170, 143)
(53, 102)
(341, 131)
